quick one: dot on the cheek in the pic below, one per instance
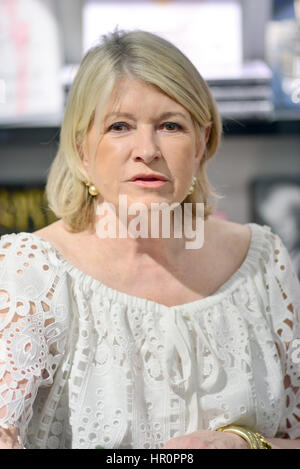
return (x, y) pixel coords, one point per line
(182, 157)
(106, 160)
(107, 170)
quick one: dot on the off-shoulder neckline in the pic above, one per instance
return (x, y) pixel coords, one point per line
(91, 283)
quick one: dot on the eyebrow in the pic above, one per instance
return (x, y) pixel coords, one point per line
(164, 115)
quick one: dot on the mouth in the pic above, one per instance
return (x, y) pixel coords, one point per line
(149, 182)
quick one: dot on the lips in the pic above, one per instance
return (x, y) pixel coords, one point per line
(148, 177)
(149, 183)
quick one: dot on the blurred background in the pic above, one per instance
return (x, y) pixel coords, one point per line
(247, 50)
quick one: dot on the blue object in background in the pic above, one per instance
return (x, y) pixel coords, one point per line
(283, 10)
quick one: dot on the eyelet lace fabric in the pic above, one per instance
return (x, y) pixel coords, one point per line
(82, 364)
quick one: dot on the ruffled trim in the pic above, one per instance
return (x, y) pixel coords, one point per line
(85, 283)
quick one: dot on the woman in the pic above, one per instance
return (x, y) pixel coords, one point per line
(139, 342)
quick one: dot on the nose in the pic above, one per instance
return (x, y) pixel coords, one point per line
(146, 147)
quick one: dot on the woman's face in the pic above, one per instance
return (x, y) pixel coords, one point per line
(144, 131)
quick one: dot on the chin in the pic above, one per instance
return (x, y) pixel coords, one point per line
(148, 200)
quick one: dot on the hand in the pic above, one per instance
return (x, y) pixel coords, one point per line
(9, 438)
(207, 439)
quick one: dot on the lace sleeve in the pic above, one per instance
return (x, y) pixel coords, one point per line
(31, 338)
(284, 290)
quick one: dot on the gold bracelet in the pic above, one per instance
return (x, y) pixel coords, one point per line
(254, 439)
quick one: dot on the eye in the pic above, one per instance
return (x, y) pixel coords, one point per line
(171, 126)
(118, 127)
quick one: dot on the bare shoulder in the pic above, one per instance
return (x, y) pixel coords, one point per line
(224, 227)
(232, 238)
(55, 233)
(67, 242)
(48, 232)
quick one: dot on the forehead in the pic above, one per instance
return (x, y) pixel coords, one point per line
(135, 96)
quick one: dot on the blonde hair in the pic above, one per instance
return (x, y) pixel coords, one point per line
(139, 55)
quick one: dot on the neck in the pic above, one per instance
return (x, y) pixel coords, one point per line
(154, 236)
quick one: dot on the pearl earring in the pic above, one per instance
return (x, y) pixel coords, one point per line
(191, 190)
(92, 189)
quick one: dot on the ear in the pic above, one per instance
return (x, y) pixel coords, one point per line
(201, 145)
(82, 151)
(85, 163)
(207, 132)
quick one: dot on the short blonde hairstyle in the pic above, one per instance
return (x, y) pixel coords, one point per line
(140, 55)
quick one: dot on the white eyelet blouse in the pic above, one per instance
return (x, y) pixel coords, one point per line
(82, 364)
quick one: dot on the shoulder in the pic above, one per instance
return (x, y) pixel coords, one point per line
(60, 237)
(50, 233)
(27, 262)
(233, 239)
(15, 243)
(259, 240)
(228, 228)
(22, 244)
